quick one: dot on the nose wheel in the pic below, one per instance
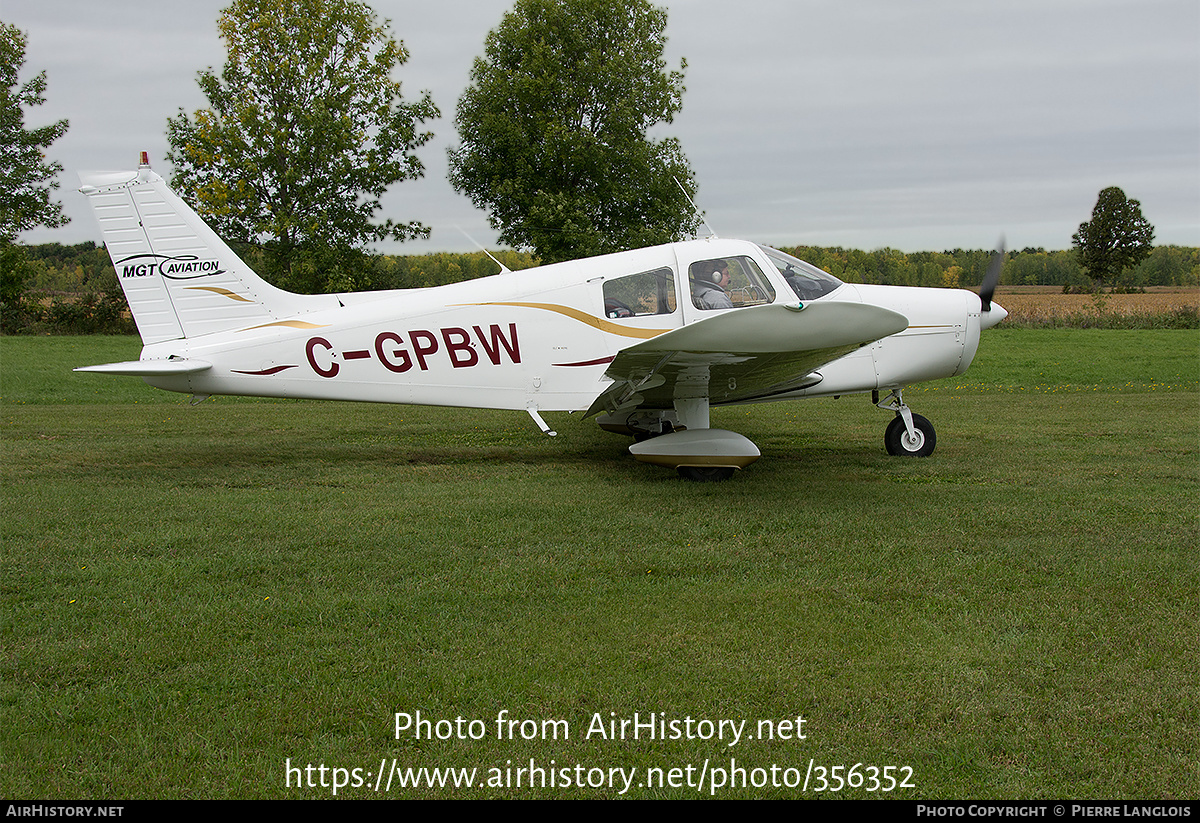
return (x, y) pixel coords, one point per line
(908, 435)
(900, 443)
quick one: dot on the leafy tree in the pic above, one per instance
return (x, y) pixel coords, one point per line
(14, 272)
(26, 178)
(553, 130)
(1117, 237)
(306, 130)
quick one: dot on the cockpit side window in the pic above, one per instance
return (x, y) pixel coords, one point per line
(636, 295)
(805, 279)
(728, 283)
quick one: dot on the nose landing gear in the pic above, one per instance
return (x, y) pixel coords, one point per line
(908, 435)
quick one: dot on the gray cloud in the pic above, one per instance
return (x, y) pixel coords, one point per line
(924, 125)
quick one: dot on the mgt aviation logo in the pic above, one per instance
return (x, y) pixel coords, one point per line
(184, 267)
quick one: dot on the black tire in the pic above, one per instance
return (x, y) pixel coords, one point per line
(897, 442)
(705, 474)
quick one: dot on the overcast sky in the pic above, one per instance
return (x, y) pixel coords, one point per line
(919, 125)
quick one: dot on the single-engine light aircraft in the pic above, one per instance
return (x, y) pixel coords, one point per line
(646, 340)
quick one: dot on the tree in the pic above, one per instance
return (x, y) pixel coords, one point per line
(26, 178)
(1117, 237)
(306, 131)
(553, 130)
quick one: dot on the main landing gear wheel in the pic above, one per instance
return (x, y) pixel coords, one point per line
(705, 474)
(899, 444)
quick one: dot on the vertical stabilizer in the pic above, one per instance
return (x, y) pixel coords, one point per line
(180, 279)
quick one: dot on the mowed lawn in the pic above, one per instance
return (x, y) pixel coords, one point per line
(237, 599)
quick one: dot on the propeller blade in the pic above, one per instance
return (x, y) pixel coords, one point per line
(992, 278)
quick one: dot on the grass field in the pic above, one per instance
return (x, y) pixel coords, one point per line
(198, 599)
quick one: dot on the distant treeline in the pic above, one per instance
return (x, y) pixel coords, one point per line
(1166, 266)
(73, 289)
(85, 268)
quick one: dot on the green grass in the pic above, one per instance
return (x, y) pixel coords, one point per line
(195, 595)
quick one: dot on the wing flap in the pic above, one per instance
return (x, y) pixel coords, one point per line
(743, 354)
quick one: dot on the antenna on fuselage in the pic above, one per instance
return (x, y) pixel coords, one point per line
(699, 213)
(503, 268)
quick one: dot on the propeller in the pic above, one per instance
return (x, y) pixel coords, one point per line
(992, 278)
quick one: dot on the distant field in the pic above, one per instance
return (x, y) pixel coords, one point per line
(1039, 303)
(236, 599)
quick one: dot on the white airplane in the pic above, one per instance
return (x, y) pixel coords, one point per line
(648, 340)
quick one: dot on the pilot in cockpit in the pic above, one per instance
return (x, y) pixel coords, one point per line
(710, 279)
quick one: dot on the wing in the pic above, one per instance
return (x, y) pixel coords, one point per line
(742, 355)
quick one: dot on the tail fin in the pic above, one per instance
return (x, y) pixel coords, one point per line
(180, 279)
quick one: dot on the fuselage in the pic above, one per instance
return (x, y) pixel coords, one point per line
(542, 338)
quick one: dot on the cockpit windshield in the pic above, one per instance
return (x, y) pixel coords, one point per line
(805, 279)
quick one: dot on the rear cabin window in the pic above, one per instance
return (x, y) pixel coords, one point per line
(636, 295)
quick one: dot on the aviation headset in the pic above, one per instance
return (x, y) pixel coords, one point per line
(721, 269)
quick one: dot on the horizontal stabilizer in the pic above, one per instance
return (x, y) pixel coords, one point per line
(149, 368)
